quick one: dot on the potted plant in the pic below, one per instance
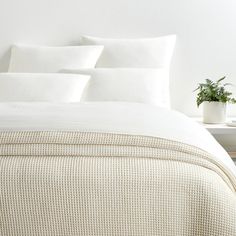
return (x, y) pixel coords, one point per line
(214, 98)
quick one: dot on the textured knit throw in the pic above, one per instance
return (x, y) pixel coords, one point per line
(75, 183)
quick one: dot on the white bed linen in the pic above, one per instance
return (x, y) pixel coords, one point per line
(44, 87)
(46, 59)
(111, 117)
(138, 53)
(144, 85)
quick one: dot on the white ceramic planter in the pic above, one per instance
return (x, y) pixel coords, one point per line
(214, 112)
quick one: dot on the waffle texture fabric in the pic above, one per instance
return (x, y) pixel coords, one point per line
(98, 184)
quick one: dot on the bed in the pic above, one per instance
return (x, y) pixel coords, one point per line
(111, 168)
(98, 151)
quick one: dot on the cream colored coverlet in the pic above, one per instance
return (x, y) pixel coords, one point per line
(75, 183)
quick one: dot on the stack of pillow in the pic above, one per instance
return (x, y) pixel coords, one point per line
(128, 70)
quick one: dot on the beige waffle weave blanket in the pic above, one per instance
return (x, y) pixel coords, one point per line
(72, 183)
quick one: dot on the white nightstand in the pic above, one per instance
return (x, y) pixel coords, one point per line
(225, 135)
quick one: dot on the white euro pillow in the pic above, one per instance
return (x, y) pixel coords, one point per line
(34, 87)
(138, 53)
(43, 59)
(150, 86)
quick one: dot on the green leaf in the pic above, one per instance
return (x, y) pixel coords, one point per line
(226, 84)
(219, 80)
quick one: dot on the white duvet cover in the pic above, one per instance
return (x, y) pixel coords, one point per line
(111, 117)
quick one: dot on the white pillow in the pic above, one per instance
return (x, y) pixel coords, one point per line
(129, 85)
(27, 87)
(142, 53)
(42, 59)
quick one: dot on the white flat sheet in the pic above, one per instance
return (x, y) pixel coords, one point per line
(111, 117)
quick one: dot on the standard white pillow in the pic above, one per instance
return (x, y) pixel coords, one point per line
(128, 85)
(42, 59)
(138, 53)
(27, 87)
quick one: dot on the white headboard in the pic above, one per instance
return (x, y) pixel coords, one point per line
(206, 35)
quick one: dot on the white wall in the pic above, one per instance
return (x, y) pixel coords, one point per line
(206, 29)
